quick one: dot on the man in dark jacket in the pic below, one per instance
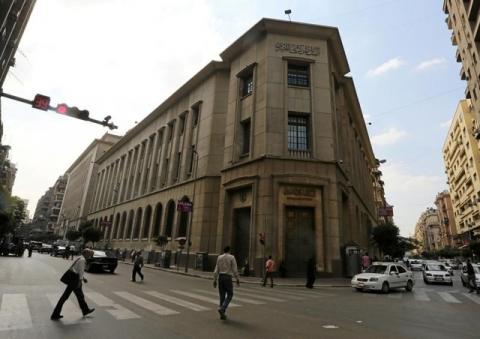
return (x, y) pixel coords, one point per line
(471, 278)
(137, 265)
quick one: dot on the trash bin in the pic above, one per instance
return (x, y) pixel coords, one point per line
(352, 260)
(201, 261)
(165, 259)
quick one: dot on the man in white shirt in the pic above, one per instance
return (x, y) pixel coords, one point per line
(77, 267)
(224, 270)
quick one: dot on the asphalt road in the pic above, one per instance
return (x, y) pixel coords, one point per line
(166, 305)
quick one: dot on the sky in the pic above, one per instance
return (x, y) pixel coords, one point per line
(123, 58)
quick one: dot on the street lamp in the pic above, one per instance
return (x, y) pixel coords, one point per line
(189, 233)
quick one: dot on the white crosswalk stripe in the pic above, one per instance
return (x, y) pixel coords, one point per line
(72, 314)
(203, 298)
(449, 298)
(147, 304)
(263, 297)
(118, 312)
(420, 295)
(474, 298)
(177, 301)
(14, 312)
(244, 300)
(274, 293)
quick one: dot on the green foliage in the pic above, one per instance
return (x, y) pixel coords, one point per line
(84, 225)
(12, 213)
(73, 235)
(475, 247)
(386, 238)
(91, 234)
(162, 241)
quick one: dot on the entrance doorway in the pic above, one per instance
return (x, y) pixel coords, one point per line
(299, 240)
(241, 235)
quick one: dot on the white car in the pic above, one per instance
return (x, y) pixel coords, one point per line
(436, 273)
(383, 276)
(448, 267)
(464, 275)
(416, 265)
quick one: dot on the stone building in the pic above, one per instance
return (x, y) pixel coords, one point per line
(428, 231)
(463, 19)
(461, 157)
(80, 185)
(268, 142)
(448, 226)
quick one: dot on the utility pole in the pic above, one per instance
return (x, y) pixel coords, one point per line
(189, 233)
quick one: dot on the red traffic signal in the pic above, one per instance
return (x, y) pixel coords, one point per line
(41, 102)
(73, 112)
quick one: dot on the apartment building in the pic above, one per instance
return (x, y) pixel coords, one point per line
(49, 206)
(428, 231)
(448, 226)
(462, 158)
(268, 143)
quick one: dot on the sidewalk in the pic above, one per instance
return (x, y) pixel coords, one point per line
(289, 282)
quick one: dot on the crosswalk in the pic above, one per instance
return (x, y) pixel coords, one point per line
(126, 305)
(15, 308)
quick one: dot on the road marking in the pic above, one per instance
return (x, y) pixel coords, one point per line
(70, 311)
(475, 299)
(203, 298)
(329, 326)
(420, 295)
(177, 301)
(259, 296)
(275, 291)
(449, 298)
(395, 296)
(14, 312)
(245, 300)
(119, 312)
(147, 304)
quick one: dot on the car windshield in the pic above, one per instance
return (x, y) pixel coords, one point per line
(376, 269)
(435, 268)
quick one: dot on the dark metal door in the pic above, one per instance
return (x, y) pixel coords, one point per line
(241, 235)
(299, 240)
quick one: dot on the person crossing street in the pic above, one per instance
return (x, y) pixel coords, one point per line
(137, 266)
(225, 269)
(269, 268)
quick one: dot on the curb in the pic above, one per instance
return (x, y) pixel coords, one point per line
(194, 275)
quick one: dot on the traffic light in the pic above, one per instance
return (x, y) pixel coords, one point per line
(73, 112)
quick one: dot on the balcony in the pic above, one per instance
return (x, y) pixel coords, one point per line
(454, 39)
(299, 154)
(463, 75)
(458, 56)
(471, 8)
(467, 93)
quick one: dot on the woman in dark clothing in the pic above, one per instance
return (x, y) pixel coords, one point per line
(310, 272)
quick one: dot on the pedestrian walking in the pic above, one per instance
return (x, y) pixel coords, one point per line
(137, 265)
(73, 278)
(225, 269)
(269, 269)
(133, 253)
(66, 254)
(310, 272)
(30, 249)
(365, 261)
(471, 278)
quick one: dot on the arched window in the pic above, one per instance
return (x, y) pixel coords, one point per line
(158, 220)
(115, 225)
(146, 223)
(183, 221)
(128, 235)
(170, 216)
(121, 229)
(138, 220)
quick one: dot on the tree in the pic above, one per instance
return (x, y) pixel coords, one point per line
(91, 234)
(12, 213)
(73, 235)
(475, 248)
(386, 238)
(162, 241)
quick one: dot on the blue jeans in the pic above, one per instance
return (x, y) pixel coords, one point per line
(225, 288)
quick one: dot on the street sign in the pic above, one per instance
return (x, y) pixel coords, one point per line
(184, 206)
(41, 102)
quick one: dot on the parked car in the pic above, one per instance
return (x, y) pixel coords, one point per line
(416, 265)
(464, 275)
(436, 273)
(448, 267)
(101, 261)
(58, 250)
(383, 276)
(46, 248)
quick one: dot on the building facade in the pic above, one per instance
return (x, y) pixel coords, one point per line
(49, 206)
(8, 170)
(464, 20)
(428, 231)
(268, 143)
(448, 226)
(462, 163)
(80, 185)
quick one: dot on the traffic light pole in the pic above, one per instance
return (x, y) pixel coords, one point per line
(43, 103)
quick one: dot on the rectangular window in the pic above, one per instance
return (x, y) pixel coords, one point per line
(192, 159)
(247, 84)
(179, 164)
(194, 117)
(182, 124)
(246, 137)
(298, 75)
(298, 132)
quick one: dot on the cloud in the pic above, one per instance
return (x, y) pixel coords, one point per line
(389, 137)
(446, 124)
(410, 193)
(386, 67)
(425, 65)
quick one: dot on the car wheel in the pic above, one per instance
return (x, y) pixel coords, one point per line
(111, 270)
(426, 281)
(359, 289)
(385, 288)
(409, 286)
(463, 283)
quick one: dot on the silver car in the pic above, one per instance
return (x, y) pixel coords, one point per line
(436, 273)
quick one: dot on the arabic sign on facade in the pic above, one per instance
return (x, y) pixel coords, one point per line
(297, 48)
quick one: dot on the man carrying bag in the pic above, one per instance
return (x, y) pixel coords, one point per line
(73, 278)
